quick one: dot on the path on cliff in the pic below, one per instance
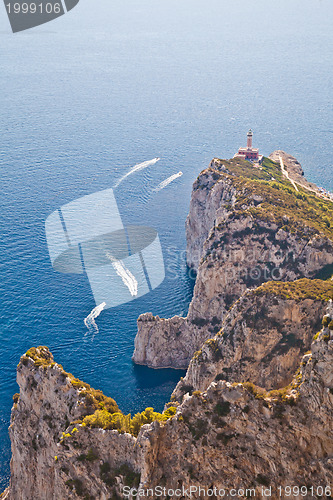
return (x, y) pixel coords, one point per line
(285, 173)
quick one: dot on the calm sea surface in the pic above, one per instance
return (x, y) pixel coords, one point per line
(115, 83)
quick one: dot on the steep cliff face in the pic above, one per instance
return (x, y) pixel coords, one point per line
(54, 455)
(246, 226)
(231, 435)
(49, 400)
(47, 403)
(263, 337)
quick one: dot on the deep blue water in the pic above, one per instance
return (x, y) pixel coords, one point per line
(93, 93)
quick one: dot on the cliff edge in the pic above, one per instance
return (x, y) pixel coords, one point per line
(246, 226)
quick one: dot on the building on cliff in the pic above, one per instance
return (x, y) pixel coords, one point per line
(249, 153)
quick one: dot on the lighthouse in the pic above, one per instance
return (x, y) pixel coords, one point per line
(249, 139)
(249, 153)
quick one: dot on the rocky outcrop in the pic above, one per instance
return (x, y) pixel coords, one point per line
(229, 436)
(162, 348)
(294, 169)
(263, 337)
(53, 456)
(246, 226)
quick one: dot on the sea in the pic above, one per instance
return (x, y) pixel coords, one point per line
(115, 83)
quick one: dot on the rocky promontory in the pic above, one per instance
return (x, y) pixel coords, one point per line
(246, 226)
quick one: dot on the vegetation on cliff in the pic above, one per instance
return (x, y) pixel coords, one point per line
(98, 410)
(125, 423)
(298, 290)
(264, 193)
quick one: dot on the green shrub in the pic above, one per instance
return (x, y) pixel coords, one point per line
(261, 479)
(257, 392)
(91, 456)
(124, 423)
(187, 388)
(77, 485)
(214, 348)
(200, 322)
(298, 290)
(16, 397)
(225, 438)
(131, 478)
(222, 408)
(299, 212)
(105, 468)
(326, 321)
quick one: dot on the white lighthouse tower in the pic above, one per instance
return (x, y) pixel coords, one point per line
(249, 139)
(249, 153)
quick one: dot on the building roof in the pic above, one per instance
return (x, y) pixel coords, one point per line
(248, 150)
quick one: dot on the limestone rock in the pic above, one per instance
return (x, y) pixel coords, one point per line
(231, 435)
(234, 242)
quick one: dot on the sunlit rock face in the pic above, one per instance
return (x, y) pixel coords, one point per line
(235, 241)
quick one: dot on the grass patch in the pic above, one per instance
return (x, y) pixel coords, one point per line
(298, 290)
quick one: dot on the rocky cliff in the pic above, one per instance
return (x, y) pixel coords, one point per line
(263, 337)
(246, 226)
(231, 437)
(254, 411)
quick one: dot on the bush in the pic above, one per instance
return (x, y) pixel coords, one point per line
(314, 289)
(124, 423)
(223, 408)
(326, 321)
(200, 322)
(16, 397)
(105, 468)
(261, 479)
(213, 345)
(187, 388)
(77, 484)
(131, 478)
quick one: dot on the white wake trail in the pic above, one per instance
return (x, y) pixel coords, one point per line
(168, 181)
(89, 321)
(125, 274)
(137, 168)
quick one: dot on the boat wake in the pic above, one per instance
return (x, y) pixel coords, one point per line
(90, 322)
(125, 274)
(168, 181)
(137, 168)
